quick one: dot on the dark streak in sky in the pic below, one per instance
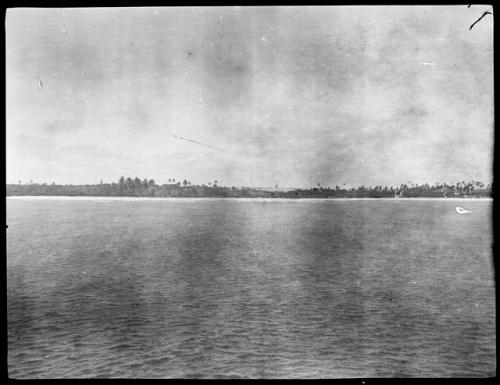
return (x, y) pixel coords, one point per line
(483, 15)
(194, 141)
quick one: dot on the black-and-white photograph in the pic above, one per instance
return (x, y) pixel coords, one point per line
(261, 192)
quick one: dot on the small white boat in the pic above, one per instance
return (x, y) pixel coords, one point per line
(461, 210)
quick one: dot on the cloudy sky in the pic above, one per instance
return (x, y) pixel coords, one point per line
(292, 96)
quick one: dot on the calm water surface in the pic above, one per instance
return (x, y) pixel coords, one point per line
(260, 289)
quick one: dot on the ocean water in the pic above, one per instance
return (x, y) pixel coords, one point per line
(221, 288)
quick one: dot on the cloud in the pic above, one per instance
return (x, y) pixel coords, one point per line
(57, 126)
(331, 95)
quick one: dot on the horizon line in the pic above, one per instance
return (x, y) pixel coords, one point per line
(277, 187)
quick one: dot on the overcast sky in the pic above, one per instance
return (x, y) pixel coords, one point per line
(294, 96)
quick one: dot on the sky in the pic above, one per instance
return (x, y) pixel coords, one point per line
(293, 96)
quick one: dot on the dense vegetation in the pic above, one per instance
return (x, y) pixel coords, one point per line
(148, 188)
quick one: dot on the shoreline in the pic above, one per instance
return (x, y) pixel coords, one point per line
(249, 199)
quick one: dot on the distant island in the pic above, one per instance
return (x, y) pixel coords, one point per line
(128, 187)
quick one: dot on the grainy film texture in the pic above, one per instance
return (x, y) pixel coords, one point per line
(250, 192)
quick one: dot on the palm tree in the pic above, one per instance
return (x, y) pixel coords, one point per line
(130, 183)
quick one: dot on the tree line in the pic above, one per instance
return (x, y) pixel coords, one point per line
(135, 187)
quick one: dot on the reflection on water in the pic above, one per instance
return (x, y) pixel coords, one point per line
(256, 289)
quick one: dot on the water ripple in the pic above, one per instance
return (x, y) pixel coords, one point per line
(229, 289)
